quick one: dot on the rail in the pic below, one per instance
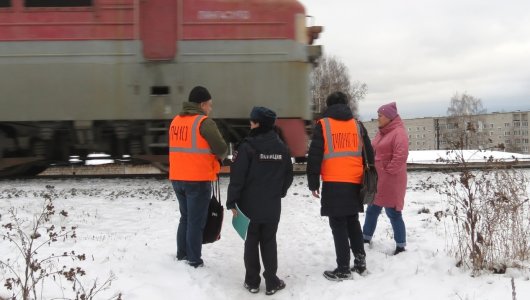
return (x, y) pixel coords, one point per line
(150, 170)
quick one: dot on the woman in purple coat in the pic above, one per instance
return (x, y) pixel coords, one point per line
(391, 146)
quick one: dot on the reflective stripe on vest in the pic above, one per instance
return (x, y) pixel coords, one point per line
(342, 151)
(190, 158)
(331, 151)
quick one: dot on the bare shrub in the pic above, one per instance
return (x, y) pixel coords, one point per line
(25, 275)
(490, 211)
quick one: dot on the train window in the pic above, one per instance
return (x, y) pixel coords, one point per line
(57, 3)
(5, 3)
(159, 90)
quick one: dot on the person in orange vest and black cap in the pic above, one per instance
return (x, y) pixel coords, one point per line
(195, 148)
(336, 155)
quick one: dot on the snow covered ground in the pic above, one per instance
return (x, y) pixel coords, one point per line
(128, 227)
(431, 156)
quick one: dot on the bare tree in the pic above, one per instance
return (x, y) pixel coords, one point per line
(465, 105)
(332, 75)
(465, 129)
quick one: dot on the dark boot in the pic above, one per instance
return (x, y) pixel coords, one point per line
(399, 250)
(338, 275)
(280, 286)
(252, 289)
(359, 264)
(196, 265)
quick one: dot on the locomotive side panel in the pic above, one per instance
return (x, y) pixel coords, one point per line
(69, 81)
(107, 81)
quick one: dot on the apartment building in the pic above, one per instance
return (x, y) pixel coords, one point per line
(481, 131)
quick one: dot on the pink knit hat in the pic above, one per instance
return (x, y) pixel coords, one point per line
(388, 110)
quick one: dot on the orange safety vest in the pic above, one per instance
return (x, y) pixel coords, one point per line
(190, 158)
(343, 160)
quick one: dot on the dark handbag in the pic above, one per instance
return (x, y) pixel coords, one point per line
(369, 187)
(214, 221)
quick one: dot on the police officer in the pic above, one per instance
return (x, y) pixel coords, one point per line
(260, 176)
(195, 148)
(335, 154)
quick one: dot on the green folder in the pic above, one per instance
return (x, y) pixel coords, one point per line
(240, 223)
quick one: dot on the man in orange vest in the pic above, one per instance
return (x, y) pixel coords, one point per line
(195, 148)
(336, 155)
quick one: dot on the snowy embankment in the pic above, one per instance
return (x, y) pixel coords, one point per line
(128, 227)
(471, 156)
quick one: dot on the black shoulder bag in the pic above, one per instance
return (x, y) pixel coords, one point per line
(214, 221)
(369, 187)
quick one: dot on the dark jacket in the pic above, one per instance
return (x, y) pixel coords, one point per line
(208, 130)
(260, 176)
(338, 198)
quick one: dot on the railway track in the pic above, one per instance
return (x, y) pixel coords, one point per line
(124, 170)
(155, 169)
(102, 165)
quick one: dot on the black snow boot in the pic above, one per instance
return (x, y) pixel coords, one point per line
(252, 289)
(399, 250)
(359, 263)
(280, 286)
(338, 275)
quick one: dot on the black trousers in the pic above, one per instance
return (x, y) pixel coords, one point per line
(347, 234)
(263, 236)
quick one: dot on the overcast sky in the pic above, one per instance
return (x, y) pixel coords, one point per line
(419, 53)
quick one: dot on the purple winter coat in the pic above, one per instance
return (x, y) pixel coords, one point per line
(391, 146)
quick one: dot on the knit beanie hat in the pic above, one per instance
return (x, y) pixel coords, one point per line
(262, 115)
(336, 98)
(389, 110)
(199, 94)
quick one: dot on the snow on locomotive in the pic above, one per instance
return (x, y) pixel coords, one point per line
(82, 76)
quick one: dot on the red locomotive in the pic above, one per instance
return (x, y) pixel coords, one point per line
(82, 76)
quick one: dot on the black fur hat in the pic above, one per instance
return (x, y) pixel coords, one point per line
(199, 94)
(337, 98)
